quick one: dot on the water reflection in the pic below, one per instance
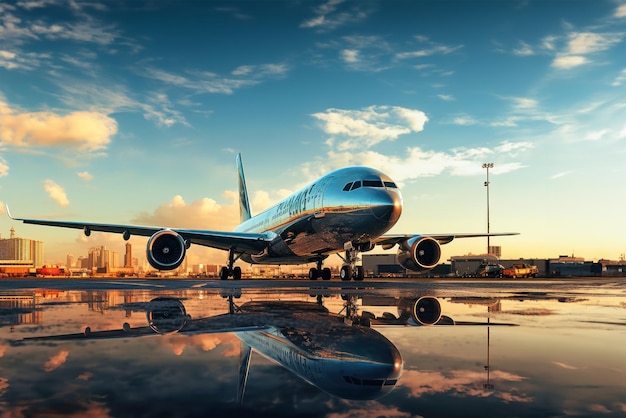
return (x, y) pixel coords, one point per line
(358, 353)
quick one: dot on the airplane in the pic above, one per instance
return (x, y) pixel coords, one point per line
(348, 211)
(343, 359)
(340, 354)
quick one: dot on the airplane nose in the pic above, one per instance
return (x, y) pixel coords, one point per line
(387, 206)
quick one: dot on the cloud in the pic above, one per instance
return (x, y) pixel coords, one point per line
(350, 56)
(370, 126)
(4, 167)
(363, 53)
(569, 61)
(466, 382)
(620, 11)
(85, 175)
(446, 97)
(435, 50)
(113, 98)
(524, 103)
(524, 50)
(88, 31)
(56, 193)
(56, 361)
(564, 365)
(261, 70)
(561, 174)
(81, 130)
(83, 28)
(328, 16)
(464, 120)
(202, 82)
(204, 213)
(202, 342)
(580, 45)
(512, 147)
(355, 132)
(596, 135)
(416, 162)
(620, 79)
(17, 60)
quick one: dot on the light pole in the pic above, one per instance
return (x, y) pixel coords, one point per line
(487, 166)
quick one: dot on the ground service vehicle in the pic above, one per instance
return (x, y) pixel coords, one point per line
(489, 270)
(521, 270)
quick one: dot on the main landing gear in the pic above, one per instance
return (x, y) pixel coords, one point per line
(315, 273)
(229, 271)
(350, 270)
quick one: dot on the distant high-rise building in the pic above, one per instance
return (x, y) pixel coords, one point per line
(69, 263)
(100, 257)
(21, 249)
(128, 257)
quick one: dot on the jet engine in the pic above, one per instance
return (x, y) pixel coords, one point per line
(166, 315)
(419, 253)
(424, 311)
(166, 250)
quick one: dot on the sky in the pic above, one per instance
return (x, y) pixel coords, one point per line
(134, 111)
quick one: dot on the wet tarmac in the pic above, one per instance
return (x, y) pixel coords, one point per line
(398, 348)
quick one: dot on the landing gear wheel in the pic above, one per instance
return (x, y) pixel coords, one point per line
(237, 273)
(326, 274)
(345, 273)
(359, 274)
(224, 273)
(313, 273)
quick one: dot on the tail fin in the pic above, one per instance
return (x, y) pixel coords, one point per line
(244, 203)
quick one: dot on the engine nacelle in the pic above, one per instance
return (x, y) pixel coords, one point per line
(166, 250)
(423, 311)
(419, 253)
(166, 315)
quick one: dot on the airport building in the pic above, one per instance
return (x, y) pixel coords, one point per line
(381, 265)
(19, 255)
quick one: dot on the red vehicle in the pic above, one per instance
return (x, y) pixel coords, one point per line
(520, 270)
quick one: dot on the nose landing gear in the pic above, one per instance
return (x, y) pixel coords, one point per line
(350, 270)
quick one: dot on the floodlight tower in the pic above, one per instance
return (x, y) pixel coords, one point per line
(487, 166)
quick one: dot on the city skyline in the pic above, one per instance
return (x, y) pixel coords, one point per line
(133, 112)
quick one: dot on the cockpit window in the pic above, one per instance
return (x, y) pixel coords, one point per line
(372, 183)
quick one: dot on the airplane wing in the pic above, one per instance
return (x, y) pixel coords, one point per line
(223, 240)
(388, 241)
(212, 325)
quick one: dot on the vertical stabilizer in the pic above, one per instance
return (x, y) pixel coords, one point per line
(244, 203)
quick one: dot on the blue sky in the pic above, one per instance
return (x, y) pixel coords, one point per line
(133, 111)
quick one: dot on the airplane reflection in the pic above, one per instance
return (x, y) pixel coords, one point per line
(339, 353)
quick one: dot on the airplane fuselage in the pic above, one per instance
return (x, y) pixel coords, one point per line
(350, 205)
(352, 362)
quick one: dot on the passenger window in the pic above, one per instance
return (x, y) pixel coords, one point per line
(347, 187)
(356, 185)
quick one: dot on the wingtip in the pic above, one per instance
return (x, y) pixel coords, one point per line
(6, 207)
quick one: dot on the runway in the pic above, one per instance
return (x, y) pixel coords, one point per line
(565, 286)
